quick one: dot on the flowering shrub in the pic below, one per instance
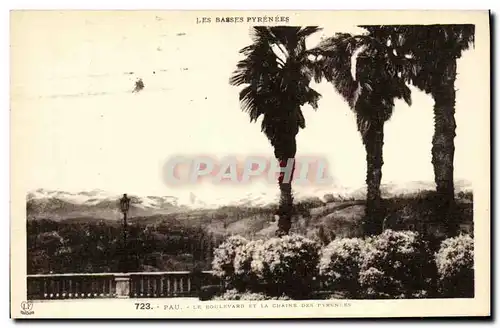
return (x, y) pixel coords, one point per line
(234, 295)
(287, 264)
(340, 263)
(455, 265)
(394, 265)
(223, 262)
(243, 274)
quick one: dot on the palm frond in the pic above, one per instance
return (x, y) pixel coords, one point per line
(406, 94)
(379, 76)
(276, 74)
(249, 103)
(335, 66)
(308, 30)
(301, 119)
(311, 97)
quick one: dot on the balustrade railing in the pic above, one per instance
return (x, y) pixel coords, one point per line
(124, 285)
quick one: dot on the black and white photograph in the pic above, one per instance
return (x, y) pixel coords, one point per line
(165, 163)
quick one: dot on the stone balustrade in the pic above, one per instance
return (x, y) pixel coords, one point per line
(118, 285)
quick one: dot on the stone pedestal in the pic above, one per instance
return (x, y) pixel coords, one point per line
(122, 284)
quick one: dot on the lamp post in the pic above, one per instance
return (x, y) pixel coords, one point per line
(124, 207)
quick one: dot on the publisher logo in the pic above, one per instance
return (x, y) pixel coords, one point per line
(27, 308)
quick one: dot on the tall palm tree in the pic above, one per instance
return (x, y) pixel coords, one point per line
(435, 49)
(276, 72)
(379, 78)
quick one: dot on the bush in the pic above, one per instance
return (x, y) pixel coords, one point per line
(234, 295)
(287, 265)
(340, 263)
(455, 266)
(223, 262)
(395, 265)
(244, 276)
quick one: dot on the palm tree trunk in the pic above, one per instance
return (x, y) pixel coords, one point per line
(443, 145)
(374, 142)
(285, 208)
(283, 153)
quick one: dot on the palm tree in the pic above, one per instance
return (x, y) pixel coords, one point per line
(276, 72)
(435, 50)
(379, 78)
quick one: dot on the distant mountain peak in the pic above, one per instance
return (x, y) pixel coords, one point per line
(99, 203)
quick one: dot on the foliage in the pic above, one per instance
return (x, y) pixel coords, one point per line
(224, 255)
(324, 237)
(280, 265)
(429, 46)
(235, 295)
(378, 80)
(88, 246)
(455, 266)
(287, 265)
(277, 73)
(244, 276)
(340, 263)
(395, 265)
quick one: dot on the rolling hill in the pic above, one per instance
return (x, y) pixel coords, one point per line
(337, 213)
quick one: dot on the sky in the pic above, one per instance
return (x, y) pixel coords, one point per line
(83, 128)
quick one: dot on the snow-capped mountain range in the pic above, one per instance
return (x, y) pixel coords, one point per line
(101, 204)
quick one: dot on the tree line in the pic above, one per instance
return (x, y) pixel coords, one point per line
(86, 247)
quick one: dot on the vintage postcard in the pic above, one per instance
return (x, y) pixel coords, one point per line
(250, 164)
